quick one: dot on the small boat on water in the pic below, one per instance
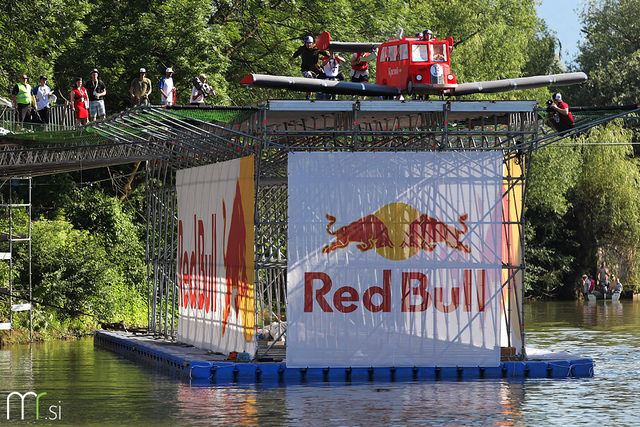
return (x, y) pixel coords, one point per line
(615, 296)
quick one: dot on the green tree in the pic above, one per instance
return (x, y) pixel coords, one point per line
(610, 53)
(123, 37)
(583, 205)
(606, 202)
(34, 34)
(550, 245)
(103, 217)
(72, 275)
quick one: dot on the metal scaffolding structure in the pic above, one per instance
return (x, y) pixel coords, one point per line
(171, 139)
(15, 215)
(278, 128)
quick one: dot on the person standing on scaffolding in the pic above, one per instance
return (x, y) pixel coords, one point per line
(96, 90)
(140, 89)
(44, 97)
(310, 55)
(562, 120)
(21, 95)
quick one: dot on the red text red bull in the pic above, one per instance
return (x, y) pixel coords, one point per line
(416, 295)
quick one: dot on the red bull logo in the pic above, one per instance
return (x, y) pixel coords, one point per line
(200, 278)
(368, 232)
(426, 231)
(397, 231)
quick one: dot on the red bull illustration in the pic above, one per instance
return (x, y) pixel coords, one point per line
(238, 286)
(369, 232)
(397, 231)
(426, 231)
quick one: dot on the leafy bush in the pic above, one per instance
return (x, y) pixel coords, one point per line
(73, 274)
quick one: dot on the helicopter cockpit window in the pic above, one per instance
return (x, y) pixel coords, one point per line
(384, 54)
(394, 53)
(438, 52)
(387, 54)
(419, 53)
(403, 52)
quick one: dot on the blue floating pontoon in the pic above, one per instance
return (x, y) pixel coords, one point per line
(200, 364)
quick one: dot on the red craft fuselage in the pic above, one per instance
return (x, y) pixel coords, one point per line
(415, 65)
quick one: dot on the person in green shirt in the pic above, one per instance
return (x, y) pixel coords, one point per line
(140, 89)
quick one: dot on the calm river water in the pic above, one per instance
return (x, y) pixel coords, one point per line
(90, 386)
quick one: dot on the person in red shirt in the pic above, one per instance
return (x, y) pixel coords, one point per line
(80, 102)
(562, 119)
(359, 69)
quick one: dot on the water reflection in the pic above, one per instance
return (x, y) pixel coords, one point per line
(431, 403)
(598, 315)
(230, 403)
(97, 387)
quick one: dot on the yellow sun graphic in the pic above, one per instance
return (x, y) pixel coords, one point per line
(397, 217)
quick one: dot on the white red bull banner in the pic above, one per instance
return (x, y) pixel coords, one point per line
(394, 259)
(216, 273)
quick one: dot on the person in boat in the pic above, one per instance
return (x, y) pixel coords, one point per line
(612, 284)
(587, 285)
(603, 278)
(618, 286)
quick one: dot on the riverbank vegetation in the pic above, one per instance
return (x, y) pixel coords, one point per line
(88, 266)
(87, 253)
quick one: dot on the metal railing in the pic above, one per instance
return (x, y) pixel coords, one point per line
(61, 117)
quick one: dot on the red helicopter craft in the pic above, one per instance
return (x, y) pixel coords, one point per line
(406, 65)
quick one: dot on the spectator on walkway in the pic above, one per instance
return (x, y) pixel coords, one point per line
(201, 90)
(96, 91)
(44, 97)
(80, 102)
(167, 89)
(140, 89)
(21, 95)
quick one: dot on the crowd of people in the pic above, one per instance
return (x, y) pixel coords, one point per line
(87, 100)
(603, 283)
